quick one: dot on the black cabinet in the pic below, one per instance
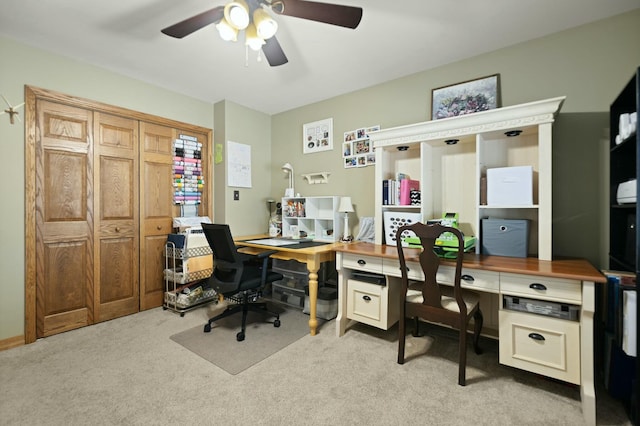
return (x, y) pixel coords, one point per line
(624, 241)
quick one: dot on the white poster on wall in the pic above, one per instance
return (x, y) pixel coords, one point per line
(238, 165)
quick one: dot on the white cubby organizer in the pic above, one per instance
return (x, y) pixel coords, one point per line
(317, 218)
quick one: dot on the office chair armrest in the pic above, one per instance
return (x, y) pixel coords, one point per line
(266, 253)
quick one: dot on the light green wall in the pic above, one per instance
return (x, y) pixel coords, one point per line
(236, 123)
(588, 64)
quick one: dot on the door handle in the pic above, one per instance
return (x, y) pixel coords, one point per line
(466, 277)
(361, 262)
(366, 298)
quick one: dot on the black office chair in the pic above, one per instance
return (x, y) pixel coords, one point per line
(239, 277)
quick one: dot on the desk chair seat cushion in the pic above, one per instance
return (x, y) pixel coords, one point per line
(222, 281)
(449, 303)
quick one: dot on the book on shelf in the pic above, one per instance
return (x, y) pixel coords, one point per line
(390, 192)
(385, 192)
(406, 186)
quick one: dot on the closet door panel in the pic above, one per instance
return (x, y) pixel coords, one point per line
(156, 209)
(117, 277)
(64, 209)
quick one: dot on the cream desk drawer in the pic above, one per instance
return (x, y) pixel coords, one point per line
(372, 304)
(362, 263)
(485, 281)
(537, 287)
(540, 344)
(391, 267)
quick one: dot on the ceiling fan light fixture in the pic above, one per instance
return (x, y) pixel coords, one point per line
(251, 38)
(266, 26)
(226, 31)
(236, 13)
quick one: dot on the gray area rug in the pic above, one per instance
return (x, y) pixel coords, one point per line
(262, 340)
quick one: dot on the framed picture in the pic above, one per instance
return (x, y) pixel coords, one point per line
(350, 162)
(477, 95)
(317, 136)
(357, 149)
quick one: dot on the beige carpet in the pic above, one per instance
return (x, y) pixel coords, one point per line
(221, 348)
(129, 372)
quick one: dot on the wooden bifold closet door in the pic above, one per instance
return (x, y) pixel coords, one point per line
(99, 201)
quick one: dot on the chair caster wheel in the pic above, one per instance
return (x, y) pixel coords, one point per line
(207, 328)
(240, 336)
(276, 323)
(181, 314)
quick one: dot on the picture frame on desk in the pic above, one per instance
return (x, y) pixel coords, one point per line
(467, 97)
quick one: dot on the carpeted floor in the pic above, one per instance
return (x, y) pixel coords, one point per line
(129, 372)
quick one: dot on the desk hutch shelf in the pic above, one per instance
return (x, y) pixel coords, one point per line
(450, 158)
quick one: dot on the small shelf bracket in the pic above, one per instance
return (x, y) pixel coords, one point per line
(318, 177)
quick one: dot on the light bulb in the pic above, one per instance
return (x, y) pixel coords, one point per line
(226, 31)
(251, 38)
(265, 25)
(237, 14)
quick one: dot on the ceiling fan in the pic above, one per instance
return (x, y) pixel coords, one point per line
(260, 28)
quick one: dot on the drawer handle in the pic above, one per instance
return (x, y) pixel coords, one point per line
(537, 286)
(366, 298)
(361, 262)
(466, 277)
(536, 336)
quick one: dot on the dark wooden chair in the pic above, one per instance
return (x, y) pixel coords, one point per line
(436, 302)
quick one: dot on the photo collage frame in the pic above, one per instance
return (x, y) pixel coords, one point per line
(357, 149)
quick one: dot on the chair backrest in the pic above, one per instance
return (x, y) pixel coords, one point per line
(430, 262)
(228, 263)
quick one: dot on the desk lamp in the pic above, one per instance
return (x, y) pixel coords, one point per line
(345, 207)
(288, 168)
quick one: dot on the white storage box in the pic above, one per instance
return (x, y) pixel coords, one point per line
(510, 186)
(394, 220)
(626, 192)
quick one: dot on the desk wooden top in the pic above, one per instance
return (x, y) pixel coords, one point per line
(570, 268)
(241, 241)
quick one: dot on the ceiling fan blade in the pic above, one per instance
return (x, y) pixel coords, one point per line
(190, 25)
(273, 52)
(334, 14)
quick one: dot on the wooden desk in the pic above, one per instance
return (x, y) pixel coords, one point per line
(568, 351)
(311, 256)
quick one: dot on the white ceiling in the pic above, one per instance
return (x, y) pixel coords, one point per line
(394, 39)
